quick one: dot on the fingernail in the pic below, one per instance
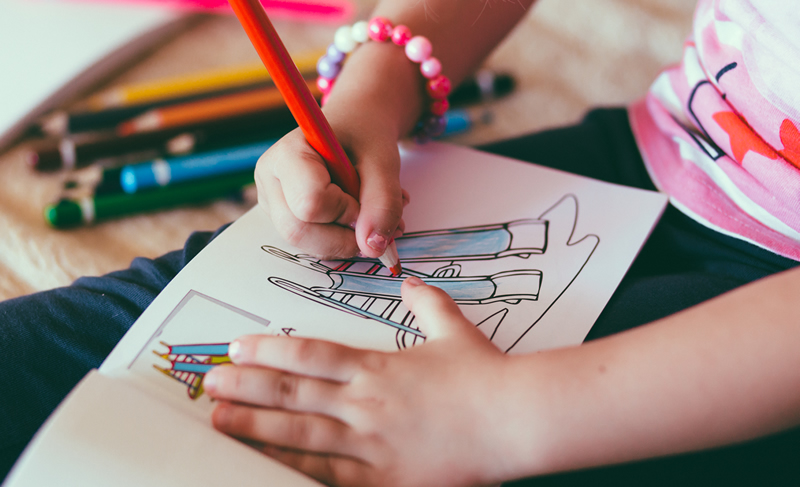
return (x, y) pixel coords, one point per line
(377, 242)
(235, 350)
(210, 381)
(414, 281)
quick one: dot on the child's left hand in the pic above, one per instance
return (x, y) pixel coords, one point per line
(424, 416)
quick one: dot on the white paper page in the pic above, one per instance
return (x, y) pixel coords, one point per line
(48, 44)
(538, 282)
(107, 433)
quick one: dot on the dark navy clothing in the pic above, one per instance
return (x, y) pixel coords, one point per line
(50, 340)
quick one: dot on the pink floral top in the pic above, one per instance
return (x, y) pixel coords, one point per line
(719, 132)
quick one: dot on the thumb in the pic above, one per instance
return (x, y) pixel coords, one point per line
(381, 201)
(436, 313)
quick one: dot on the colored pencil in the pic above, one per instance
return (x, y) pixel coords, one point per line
(68, 213)
(302, 104)
(193, 83)
(81, 150)
(163, 172)
(61, 123)
(334, 11)
(209, 109)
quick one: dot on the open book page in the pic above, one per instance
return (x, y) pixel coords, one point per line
(108, 433)
(54, 50)
(530, 254)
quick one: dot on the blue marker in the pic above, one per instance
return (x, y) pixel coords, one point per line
(162, 172)
(460, 120)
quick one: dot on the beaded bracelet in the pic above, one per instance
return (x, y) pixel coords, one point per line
(417, 49)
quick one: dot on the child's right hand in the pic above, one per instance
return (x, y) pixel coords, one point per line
(312, 213)
(376, 100)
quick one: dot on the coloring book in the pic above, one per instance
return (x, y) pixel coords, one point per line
(530, 254)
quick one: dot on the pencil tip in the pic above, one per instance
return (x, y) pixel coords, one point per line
(396, 270)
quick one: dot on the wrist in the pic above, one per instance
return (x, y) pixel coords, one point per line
(508, 421)
(379, 83)
(516, 420)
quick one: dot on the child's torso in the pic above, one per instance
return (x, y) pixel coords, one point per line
(719, 132)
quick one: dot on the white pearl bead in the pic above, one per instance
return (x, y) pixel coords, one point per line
(359, 32)
(343, 39)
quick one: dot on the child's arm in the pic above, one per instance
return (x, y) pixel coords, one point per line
(455, 411)
(377, 99)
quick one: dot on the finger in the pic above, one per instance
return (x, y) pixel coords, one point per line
(306, 183)
(323, 240)
(298, 431)
(381, 201)
(327, 241)
(328, 469)
(436, 314)
(272, 388)
(305, 356)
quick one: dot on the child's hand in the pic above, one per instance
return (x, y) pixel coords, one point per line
(424, 416)
(312, 213)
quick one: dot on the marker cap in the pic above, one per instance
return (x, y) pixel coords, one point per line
(64, 214)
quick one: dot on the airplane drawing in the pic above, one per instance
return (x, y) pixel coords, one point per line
(497, 267)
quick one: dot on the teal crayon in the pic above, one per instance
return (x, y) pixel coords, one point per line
(68, 213)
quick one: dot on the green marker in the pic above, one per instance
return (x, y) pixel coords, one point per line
(84, 211)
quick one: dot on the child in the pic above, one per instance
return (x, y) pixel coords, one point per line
(719, 134)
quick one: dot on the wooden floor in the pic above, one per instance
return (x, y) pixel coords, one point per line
(567, 56)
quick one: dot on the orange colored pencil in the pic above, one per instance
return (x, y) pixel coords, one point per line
(293, 87)
(211, 109)
(301, 103)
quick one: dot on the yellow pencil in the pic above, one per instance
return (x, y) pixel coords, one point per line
(194, 83)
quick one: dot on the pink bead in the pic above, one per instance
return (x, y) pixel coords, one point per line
(324, 84)
(418, 49)
(401, 35)
(379, 29)
(439, 87)
(439, 107)
(430, 67)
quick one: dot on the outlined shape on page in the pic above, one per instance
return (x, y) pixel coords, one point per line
(517, 268)
(192, 340)
(188, 363)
